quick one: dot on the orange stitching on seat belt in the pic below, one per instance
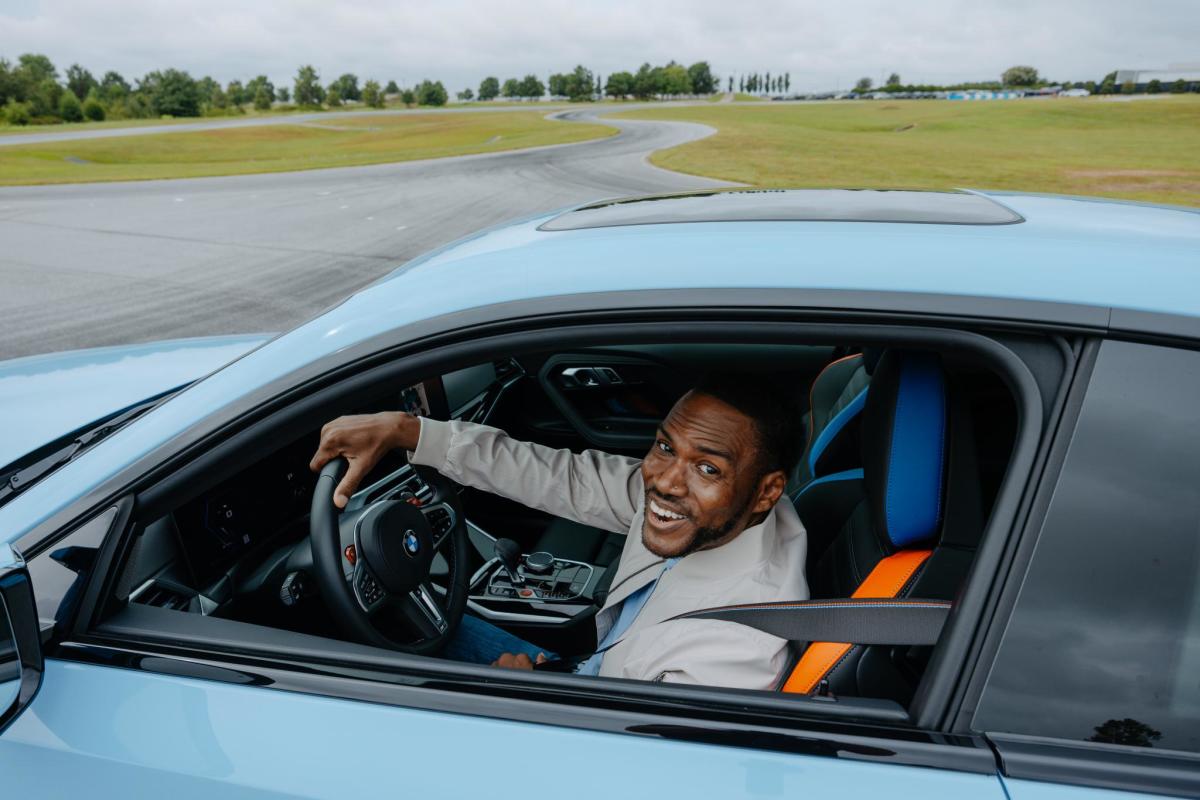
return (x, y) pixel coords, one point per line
(885, 581)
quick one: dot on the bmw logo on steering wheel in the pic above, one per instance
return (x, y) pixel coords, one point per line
(412, 545)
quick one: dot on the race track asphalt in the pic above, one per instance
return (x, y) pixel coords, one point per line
(86, 265)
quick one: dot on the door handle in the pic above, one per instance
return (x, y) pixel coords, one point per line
(579, 377)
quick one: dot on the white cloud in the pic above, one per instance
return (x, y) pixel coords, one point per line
(822, 45)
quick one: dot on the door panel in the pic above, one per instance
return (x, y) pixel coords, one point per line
(100, 731)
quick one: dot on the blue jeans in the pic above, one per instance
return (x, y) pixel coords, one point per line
(480, 642)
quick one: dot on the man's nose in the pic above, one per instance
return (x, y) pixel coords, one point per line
(669, 481)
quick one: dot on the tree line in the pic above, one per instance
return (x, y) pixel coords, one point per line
(583, 85)
(33, 91)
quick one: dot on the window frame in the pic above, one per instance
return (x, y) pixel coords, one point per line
(1047, 758)
(760, 714)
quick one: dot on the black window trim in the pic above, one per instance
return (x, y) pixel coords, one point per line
(1050, 759)
(636, 325)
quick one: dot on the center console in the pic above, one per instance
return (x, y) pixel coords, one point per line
(531, 588)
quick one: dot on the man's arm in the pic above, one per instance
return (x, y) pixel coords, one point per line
(592, 488)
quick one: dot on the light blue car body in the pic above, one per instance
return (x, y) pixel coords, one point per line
(100, 731)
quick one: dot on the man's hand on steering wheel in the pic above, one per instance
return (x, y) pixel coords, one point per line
(363, 439)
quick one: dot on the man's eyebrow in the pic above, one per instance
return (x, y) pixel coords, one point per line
(715, 451)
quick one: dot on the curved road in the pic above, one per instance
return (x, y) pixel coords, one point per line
(93, 264)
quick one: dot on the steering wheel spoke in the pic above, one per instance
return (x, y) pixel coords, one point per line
(442, 519)
(422, 608)
(369, 592)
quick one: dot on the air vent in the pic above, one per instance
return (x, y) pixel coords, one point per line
(160, 596)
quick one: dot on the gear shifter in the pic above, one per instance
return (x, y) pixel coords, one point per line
(509, 554)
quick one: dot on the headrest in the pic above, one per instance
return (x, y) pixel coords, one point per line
(836, 401)
(904, 446)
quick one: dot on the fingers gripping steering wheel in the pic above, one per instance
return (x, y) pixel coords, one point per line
(394, 547)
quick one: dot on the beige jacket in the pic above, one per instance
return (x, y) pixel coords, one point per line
(765, 562)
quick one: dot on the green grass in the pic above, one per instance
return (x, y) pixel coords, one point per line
(1146, 150)
(334, 141)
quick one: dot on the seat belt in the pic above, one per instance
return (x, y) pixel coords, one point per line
(865, 621)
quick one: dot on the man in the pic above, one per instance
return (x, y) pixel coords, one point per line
(702, 511)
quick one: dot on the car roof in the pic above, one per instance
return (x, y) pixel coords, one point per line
(1073, 250)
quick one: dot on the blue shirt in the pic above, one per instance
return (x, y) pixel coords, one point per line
(630, 608)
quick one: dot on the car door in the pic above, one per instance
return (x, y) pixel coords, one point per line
(160, 722)
(1096, 681)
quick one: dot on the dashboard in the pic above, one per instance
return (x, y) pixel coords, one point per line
(262, 503)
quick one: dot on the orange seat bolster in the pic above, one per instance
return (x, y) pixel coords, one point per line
(885, 582)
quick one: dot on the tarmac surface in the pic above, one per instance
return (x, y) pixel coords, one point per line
(86, 265)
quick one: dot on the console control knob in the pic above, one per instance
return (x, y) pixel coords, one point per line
(540, 561)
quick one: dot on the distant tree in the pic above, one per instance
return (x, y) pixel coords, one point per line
(16, 113)
(465, 95)
(597, 90)
(1128, 87)
(489, 88)
(702, 78)
(333, 95)
(576, 85)
(237, 93)
(218, 101)
(35, 68)
(647, 82)
(308, 91)
(391, 88)
(1126, 731)
(408, 97)
(348, 87)
(93, 109)
(1154, 87)
(1090, 86)
(730, 84)
(431, 93)
(43, 99)
(1178, 87)
(69, 107)
(532, 88)
(675, 80)
(113, 87)
(787, 81)
(263, 99)
(257, 82)
(556, 84)
(742, 83)
(372, 95)
(863, 85)
(512, 88)
(1019, 76)
(1109, 84)
(10, 85)
(283, 94)
(893, 80)
(79, 80)
(619, 85)
(171, 92)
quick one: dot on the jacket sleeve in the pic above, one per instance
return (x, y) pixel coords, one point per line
(592, 488)
(709, 653)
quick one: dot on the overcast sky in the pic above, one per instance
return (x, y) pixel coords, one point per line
(824, 45)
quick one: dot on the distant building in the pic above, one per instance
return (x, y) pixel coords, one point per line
(1188, 73)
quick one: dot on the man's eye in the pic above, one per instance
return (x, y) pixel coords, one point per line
(663, 446)
(709, 469)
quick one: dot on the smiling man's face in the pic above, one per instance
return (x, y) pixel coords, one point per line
(702, 477)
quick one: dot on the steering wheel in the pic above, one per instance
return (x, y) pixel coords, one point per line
(394, 543)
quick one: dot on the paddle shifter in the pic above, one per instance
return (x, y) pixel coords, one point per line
(509, 553)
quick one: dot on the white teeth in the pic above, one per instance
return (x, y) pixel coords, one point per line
(662, 512)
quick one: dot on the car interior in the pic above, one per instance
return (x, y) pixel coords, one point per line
(904, 453)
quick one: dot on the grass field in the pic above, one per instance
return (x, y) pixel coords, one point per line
(1141, 150)
(339, 141)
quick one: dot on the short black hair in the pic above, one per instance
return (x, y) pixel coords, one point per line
(774, 409)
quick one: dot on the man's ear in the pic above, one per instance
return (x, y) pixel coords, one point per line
(770, 488)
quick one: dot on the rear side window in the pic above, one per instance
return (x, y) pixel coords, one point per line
(1104, 642)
